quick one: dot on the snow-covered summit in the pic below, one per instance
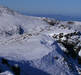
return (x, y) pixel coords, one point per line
(6, 11)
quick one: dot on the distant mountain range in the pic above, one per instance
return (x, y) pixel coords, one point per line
(58, 17)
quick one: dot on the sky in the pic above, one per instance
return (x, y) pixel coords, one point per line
(63, 7)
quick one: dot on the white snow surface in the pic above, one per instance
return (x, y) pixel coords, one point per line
(6, 73)
(34, 44)
(33, 48)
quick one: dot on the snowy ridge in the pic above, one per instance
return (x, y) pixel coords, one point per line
(38, 45)
(6, 11)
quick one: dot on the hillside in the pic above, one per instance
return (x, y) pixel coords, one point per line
(38, 45)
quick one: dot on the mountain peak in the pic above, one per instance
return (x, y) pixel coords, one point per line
(6, 11)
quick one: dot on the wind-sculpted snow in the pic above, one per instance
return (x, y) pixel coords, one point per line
(38, 46)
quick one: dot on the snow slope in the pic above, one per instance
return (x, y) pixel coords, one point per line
(29, 45)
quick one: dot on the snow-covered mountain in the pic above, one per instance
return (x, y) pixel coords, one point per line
(38, 45)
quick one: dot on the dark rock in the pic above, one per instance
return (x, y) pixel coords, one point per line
(16, 69)
(70, 22)
(21, 31)
(4, 61)
(56, 57)
(79, 59)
